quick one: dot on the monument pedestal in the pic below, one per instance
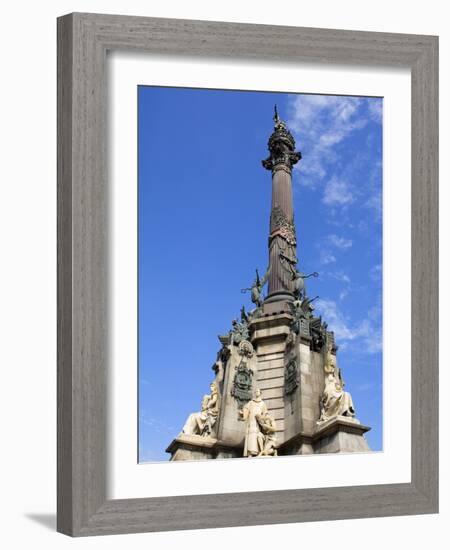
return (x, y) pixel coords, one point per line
(341, 434)
(197, 447)
(191, 447)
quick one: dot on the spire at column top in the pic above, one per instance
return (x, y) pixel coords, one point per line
(276, 118)
(281, 146)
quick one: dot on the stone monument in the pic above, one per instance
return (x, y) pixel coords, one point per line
(278, 389)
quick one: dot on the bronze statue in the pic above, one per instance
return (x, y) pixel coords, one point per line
(256, 288)
(299, 282)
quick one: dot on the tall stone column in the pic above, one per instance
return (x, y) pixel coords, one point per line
(282, 238)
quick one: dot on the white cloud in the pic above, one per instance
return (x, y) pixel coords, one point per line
(339, 242)
(337, 192)
(376, 273)
(320, 123)
(326, 257)
(368, 331)
(327, 246)
(365, 386)
(343, 294)
(375, 105)
(154, 423)
(375, 343)
(345, 280)
(375, 202)
(374, 191)
(336, 320)
(341, 276)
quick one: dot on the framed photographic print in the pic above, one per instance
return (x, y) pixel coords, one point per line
(270, 348)
(247, 274)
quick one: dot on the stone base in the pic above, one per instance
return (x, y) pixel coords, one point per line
(278, 297)
(338, 435)
(196, 447)
(278, 307)
(341, 435)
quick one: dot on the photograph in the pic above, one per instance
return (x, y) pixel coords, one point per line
(260, 269)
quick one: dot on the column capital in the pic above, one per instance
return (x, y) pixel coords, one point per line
(281, 146)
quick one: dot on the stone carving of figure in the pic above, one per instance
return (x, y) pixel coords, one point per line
(254, 437)
(302, 315)
(220, 363)
(335, 401)
(202, 423)
(268, 436)
(298, 314)
(239, 331)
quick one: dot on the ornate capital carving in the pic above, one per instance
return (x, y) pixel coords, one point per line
(281, 147)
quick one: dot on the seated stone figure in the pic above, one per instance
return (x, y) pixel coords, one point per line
(202, 423)
(267, 436)
(335, 401)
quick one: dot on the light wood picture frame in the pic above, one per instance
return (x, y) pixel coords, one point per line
(83, 41)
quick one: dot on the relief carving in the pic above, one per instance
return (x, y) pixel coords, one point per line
(290, 377)
(242, 383)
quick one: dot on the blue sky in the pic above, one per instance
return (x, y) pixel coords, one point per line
(204, 202)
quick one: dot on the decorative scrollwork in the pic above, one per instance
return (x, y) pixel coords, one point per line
(282, 227)
(242, 383)
(246, 349)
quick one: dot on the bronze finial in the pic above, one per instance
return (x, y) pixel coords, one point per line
(276, 118)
